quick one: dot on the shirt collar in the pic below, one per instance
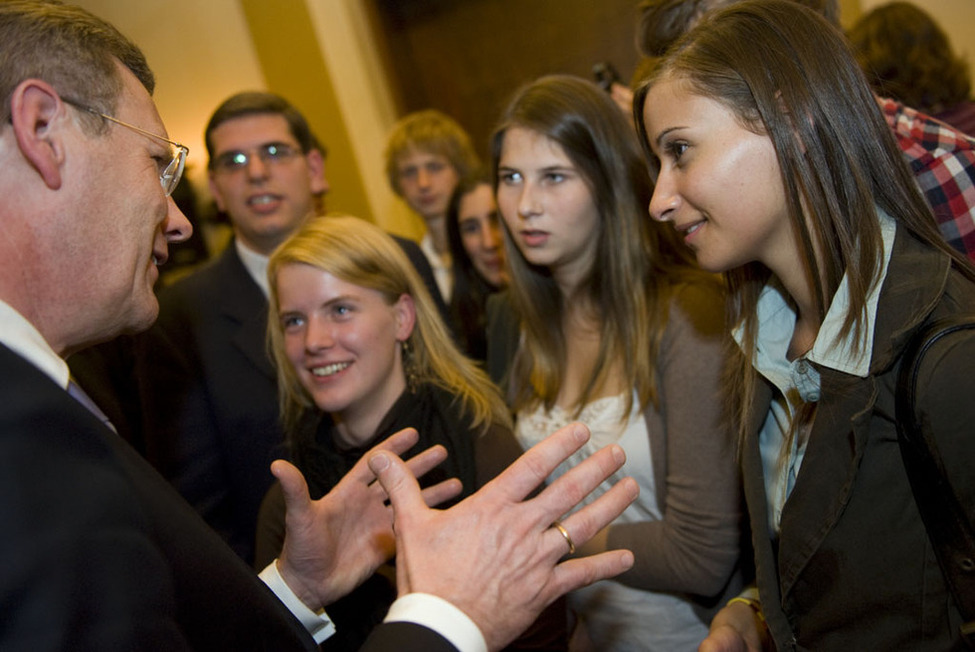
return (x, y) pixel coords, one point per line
(20, 336)
(776, 319)
(255, 264)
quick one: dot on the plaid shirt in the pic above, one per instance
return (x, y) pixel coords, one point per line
(943, 162)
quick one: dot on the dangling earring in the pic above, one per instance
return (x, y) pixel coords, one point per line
(409, 365)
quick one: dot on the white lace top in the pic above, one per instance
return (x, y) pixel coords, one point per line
(619, 618)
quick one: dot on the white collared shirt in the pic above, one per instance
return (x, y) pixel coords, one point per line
(21, 337)
(255, 264)
(443, 272)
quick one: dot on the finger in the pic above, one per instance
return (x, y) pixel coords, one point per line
(419, 465)
(293, 486)
(579, 481)
(442, 492)
(397, 443)
(576, 573)
(531, 469)
(423, 462)
(585, 523)
(723, 639)
(398, 483)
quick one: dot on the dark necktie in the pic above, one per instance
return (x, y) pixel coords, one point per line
(75, 390)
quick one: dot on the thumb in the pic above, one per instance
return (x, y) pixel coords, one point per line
(293, 486)
(397, 481)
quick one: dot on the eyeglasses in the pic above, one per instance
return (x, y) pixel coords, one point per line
(173, 172)
(230, 162)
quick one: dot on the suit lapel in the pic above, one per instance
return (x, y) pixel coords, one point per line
(244, 308)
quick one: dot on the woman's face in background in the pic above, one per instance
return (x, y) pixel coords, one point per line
(547, 205)
(343, 341)
(480, 234)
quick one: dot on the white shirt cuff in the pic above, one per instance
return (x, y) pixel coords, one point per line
(319, 625)
(440, 616)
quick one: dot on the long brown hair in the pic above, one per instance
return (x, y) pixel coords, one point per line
(631, 281)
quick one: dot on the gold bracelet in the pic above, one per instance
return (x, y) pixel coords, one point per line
(754, 605)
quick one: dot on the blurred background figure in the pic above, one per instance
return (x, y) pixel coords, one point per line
(427, 153)
(477, 250)
(908, 57)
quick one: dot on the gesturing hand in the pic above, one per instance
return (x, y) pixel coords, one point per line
(496, 555)
(333, 544)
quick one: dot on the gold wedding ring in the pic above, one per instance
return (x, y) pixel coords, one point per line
(565, 533)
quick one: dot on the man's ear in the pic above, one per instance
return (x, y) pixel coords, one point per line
(34, 108)
(216, 194)
(316, 172)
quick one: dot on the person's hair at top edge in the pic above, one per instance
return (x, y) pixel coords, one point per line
(70, 49)
(360, 253)
(636, 263)
(907, 56)
(787, 73)
(433, 132)
(663, 22)
(257, 103)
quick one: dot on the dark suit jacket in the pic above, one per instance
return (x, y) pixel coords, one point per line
(853, 568)
(99, 552)
(209, 394)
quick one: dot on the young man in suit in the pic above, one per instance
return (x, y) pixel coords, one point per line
(99, 551)
(209, 398)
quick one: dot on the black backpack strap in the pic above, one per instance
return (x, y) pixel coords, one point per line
(944, 518)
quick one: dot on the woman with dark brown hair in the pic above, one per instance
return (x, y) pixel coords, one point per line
(616, 327)
(775, 166)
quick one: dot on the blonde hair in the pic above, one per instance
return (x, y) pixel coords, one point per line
(434, 132)
(361, 253)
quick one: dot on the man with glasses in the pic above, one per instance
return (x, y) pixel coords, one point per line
(208, 388)
(98, 551)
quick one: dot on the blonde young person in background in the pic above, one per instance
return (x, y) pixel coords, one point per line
(775, 165)
(427, 153)
(614, 326)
